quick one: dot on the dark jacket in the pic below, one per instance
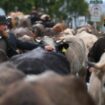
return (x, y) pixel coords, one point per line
(13, 44)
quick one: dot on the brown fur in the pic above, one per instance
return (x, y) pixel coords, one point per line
(97, 81)
(59, 27)
(54, 90)
(8, 75)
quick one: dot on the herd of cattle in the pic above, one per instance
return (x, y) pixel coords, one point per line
(40, 77)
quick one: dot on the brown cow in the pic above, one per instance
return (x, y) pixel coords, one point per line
(8, 75)
(97, 81)
(50, 89)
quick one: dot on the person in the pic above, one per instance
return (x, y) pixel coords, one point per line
(13, 43)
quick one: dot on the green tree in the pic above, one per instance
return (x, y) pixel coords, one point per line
(59, 9)
(63, 9)
(9, 5)
(77, 8)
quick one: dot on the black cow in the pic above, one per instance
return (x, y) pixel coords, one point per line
(97, 50)
(39, 60)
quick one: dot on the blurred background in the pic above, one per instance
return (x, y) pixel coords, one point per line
(74, 13)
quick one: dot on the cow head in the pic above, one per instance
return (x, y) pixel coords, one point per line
(99, 67)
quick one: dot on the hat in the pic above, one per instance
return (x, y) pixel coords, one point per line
(3, 20)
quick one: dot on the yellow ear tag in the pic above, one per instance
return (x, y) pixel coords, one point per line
(64, 50)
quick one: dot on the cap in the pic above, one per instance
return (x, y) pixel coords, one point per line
(3, 20)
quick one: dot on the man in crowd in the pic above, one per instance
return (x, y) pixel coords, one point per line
(12, 43)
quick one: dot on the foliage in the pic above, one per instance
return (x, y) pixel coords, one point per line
(61, 9)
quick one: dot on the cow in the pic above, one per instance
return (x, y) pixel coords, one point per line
(59, 27)
(24, 22)
(21, 31)
(88, 38)
(26, 38)
(72, 62)
(48, 89)
(97, 50)
(8, 75)
(76, 55)
(97, 80)
(39, 60)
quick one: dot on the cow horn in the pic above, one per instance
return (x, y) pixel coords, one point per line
(93, 64)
